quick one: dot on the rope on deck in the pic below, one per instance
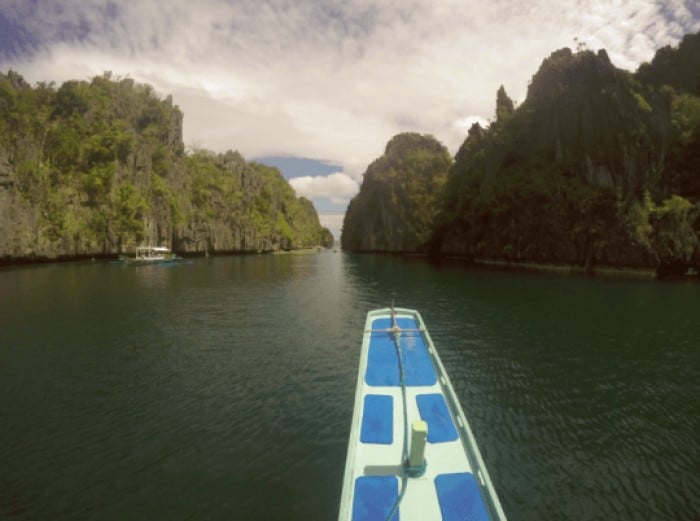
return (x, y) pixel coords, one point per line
(406, 470)
(391, 330)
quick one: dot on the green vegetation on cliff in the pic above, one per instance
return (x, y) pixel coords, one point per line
(678, 68)
(596, 166)
(98, 167)
(396, 206)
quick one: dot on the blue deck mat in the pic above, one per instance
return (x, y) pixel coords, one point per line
(377, 419)
(459, 497)
(382, 362)
(374, 498)
(433, 410)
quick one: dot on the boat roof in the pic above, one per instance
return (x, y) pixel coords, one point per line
(392, 393)
(154, 248)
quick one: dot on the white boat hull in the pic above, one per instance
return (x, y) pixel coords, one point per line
(454, 483)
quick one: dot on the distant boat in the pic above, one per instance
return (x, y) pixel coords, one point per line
(151, 255)
(411, 454)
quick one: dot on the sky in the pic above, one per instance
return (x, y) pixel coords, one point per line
(316, 87)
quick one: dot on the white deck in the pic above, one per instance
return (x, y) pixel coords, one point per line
(461, 456)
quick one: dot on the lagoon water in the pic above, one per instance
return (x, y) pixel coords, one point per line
(223, 389)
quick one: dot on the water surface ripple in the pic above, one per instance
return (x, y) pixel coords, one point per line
(223, 389)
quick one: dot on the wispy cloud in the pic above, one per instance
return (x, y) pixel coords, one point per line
(327, 80)
(337, 187)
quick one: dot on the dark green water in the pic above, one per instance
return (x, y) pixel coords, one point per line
(223, 389)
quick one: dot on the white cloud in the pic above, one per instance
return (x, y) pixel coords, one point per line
(332, 221)
(464, 124)
(338, 187)
(332, 81)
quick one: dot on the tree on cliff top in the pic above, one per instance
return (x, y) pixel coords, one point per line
(504, 105)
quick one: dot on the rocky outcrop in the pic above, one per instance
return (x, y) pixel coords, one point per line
(395, 208)
(7, 180)
(597, 121)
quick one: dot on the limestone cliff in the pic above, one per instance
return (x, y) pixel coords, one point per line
(95, 168)
(596, 166)
(396, 205)
(596, 120)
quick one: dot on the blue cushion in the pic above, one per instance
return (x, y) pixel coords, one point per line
(377, 419)
(433, 410)
(374, 498)
(383, 364)
(459, 497)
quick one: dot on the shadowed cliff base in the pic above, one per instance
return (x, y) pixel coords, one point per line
(9, 262)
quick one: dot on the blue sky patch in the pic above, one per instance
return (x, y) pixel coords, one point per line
(292, 167)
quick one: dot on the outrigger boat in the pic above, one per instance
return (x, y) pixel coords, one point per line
(151, 255)
(411, 453)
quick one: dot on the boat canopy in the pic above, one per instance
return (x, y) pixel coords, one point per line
(158, 249)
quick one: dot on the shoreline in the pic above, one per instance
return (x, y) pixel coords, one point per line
(479, 264)
(567, 269)
(302, 251)
(17, 262)
(606, 271)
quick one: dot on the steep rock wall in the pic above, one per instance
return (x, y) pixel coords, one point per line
(95, 168)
